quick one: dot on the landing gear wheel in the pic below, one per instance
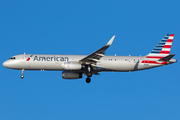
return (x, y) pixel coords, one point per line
(22, 76)
(88, 80)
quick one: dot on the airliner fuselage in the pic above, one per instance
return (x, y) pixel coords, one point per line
(73, 66)
(56, 62)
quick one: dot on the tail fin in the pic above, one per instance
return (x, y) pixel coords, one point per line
(164, 46)
(161, 50)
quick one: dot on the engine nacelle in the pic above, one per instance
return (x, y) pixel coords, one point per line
(71, 75)
(71, 66)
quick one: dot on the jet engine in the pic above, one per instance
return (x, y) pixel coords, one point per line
(71, 75)
(71, 66)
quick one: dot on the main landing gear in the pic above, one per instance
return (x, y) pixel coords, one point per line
(22, 76)
(88, 79)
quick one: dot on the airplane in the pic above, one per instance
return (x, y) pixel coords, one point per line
(74, 66)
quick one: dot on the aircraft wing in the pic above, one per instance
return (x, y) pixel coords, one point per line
(96, 56)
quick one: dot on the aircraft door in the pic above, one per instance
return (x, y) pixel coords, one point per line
(24, 64)
(22, 59)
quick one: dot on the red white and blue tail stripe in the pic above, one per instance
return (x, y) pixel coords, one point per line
(160, 51)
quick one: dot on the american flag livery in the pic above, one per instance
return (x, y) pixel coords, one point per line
(160, 51)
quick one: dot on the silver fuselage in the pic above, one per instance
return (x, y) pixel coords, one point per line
(55, 62)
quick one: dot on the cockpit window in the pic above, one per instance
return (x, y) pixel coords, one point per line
(12, 58)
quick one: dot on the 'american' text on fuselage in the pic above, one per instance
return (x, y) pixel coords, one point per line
(54, 58)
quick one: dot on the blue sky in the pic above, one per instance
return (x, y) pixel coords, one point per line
(81, 27)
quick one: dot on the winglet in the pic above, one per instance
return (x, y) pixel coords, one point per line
(110, 41)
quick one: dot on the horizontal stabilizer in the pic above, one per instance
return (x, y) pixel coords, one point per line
(167, 58)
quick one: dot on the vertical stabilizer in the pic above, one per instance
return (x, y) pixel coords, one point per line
(164, 46)
(161, 50)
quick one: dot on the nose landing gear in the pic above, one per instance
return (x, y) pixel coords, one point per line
(22, 76)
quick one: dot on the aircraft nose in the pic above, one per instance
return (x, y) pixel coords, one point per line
(5, 64)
